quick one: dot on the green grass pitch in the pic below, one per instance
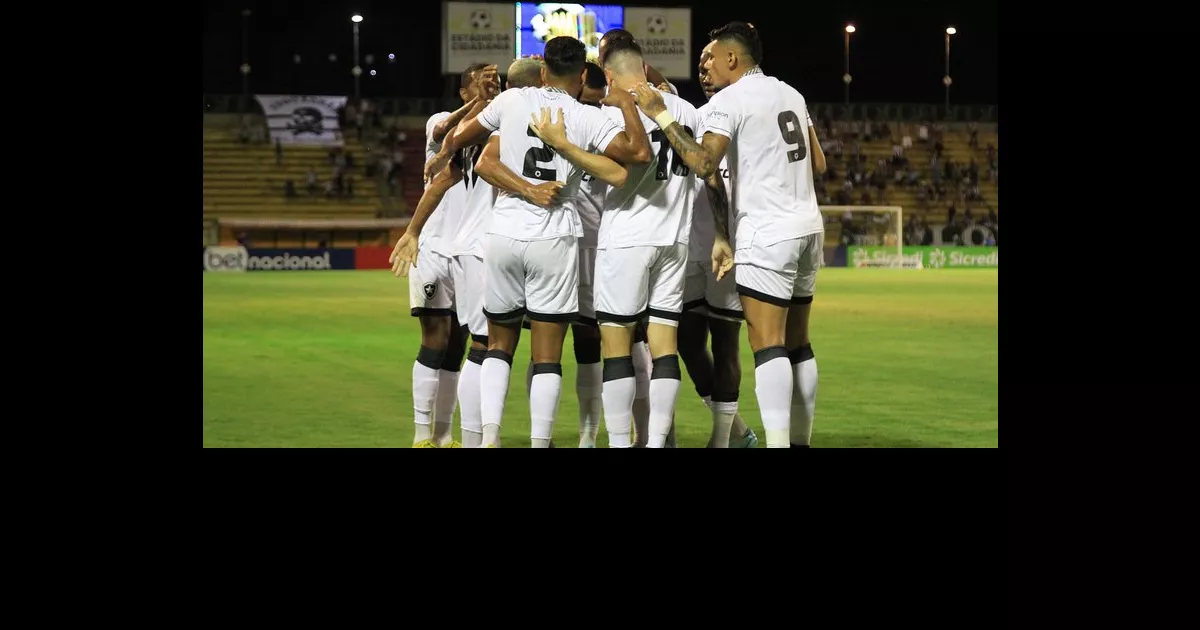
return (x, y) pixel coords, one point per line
(324, 359)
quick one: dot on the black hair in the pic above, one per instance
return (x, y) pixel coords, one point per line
(611, 37)
(565, 56)
(744, 34)
(465, 79)
(595, 76)
(622, 46)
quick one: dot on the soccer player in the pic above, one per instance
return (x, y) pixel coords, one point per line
(761, 122)
(431, 292)
(641, 258)
(531, 254)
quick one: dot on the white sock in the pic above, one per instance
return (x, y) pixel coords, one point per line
(443, 409)
(723, 414)
(664, 389)
(617, 397)
(589, 382)
(493, 388)
(773, 387)
(804, 399)
(641, 397)
(468, 401)
(424, 390)
(544, 393)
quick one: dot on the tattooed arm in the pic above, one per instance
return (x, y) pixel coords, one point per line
(701, 157)
(718, 199)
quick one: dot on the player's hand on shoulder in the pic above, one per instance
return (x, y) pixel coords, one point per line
(404, 255)
(617, 98)
(722, 257)
(552, 132)
(544, 195)
(649, 99)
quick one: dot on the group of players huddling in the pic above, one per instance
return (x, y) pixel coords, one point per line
(568, 199)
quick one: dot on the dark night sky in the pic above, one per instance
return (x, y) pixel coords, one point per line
(897, 54)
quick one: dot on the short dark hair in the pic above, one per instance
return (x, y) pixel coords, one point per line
(611, 37)
(565, 56)
(744, 34)
(465, 79)
(595, 76)
(619, 46)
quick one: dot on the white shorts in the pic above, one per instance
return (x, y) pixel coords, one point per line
(468, 280)
(587, 275)
(431, 285)
(722, 297)
(535, 278)
(782, 274)
(632, 282)
(694, 284)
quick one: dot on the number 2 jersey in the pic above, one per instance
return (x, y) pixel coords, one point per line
(771, 177)
(654, 207)
(527, 156)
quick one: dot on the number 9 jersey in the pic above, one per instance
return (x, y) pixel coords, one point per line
(766, 121)
(528, 156)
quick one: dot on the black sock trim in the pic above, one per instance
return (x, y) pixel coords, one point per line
(801, 354)
(476, 356)
(801, 300)
(499, 354)
(769, 354)
(724, 396)
(618, 368)
(666, 367)
(431, 358)
(639, 333)
(479, 339)
(547, 368)
(587, 350)
(763, 297)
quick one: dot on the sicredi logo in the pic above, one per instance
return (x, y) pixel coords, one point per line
(289, 262)
(225, 258)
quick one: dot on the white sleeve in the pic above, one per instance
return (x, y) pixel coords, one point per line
(598, 128)
(723, 115)
(430, 145)
(491, 115)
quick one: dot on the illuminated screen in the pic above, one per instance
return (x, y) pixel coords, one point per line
(537, 23)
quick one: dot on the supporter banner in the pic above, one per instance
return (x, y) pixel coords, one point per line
(372, 257)
(308, 120)
(665, 36)
(928, 257)
(477, 32)
(242, 259)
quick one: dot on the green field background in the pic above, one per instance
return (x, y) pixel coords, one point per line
(907, 358)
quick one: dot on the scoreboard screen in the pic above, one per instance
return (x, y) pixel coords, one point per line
(539, 22)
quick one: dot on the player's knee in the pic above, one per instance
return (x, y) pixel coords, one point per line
(666, 367)
(455, 351)
(435, 332)
(617, 368)
(432, 358)
(587, 349)
(801, 354)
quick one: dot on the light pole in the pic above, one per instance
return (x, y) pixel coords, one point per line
(846, 77)
(946, 79)
(245, 67)
(357, 71)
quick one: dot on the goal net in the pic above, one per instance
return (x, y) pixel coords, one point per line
(873, 235)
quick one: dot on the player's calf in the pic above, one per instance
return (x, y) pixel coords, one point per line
(619, 382)
(589, 382)
(447, 392)
(493, 377)
(426, 373)
(804, 373)
(727, 380)
(546, 341)
(665, 377)
(772, 368)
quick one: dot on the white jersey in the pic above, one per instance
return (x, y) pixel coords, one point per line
(528, 157)
(590, 203)
(478, 196)
(433, 235)
(770, 169)
(704, 231)
(654, 207)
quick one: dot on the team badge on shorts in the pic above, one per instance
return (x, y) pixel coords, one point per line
(430, 290)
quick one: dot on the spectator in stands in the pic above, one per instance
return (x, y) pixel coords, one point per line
(973, 129)
(311, 180)
(974, 194)
(926, 233)
(991, 153)
(243, 239)
(913, 177)
(865, 200)
(951, 234)
(350, 187)
(923, 133)
(868, 130)
(884, 131)
(897, 154)
(278, 153)
(289, 189)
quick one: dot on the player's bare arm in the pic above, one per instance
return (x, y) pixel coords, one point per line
(494, 172)
(818, 154)
(554, 133)
(718, 197)
(467, 133)
(701, 157)
(450, 122)
(404, 254)
(631, 146)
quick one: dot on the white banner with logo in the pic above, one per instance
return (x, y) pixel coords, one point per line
(665, 36)
(477, 32)
(308, 120)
